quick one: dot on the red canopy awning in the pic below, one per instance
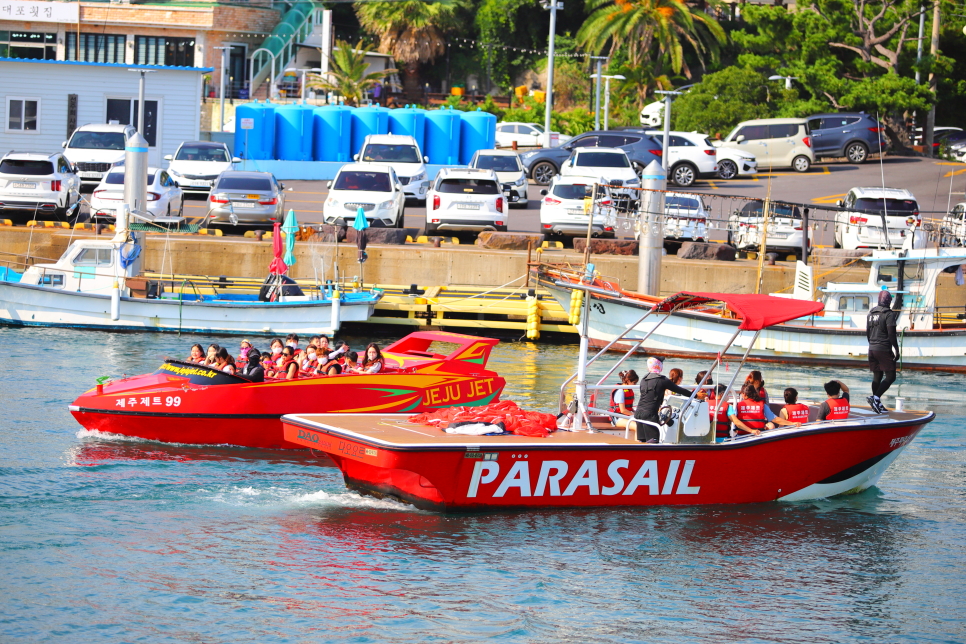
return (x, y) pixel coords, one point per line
(756, 311)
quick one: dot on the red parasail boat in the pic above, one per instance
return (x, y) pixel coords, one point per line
(183, 402)
(597, 464)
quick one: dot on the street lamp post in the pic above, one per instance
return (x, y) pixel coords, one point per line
(221, 90)
(606, 94)
(553, 5)
(599, 60)
(141, 97)
(665, 157)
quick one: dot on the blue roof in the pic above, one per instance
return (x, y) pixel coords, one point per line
(124, 65)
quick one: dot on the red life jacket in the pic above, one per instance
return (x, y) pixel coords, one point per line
(722, 427)
(628, 401)
(839, 409)
(797, 412)
(752, 414)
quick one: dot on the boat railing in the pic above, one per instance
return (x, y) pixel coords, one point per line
(947, 315)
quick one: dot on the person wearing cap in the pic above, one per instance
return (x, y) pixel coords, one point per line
(880, 330)
(653, 386)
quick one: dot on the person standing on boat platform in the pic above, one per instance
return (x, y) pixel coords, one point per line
(880, 329)
(653, 387)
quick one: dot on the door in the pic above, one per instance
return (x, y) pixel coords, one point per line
(237, 80)
(820, 140)
(838, 131)
(781, 143)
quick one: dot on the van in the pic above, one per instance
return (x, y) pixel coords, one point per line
(776, 143)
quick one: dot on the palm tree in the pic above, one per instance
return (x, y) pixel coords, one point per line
(347, 73)
(412, 31)
(640, 25)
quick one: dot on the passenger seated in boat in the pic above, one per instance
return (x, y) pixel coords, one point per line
(276, 349)
(622, 400)
(756, 378)
(224, 362)
(372, 361)
(243, 350)
(268, 365)
(288, 367)
(794, 410)
(837, 407)
(676, 376)
(197, 354)
(292, 340)
(253, 370)
(722, 423)
(309, 363)
(752, 415)
(211, 358)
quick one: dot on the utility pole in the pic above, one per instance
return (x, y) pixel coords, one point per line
(933, 81)
(221, 83)
(665, 156)
(553, 5)
(600, 61)
(142, 72)
(606, 97)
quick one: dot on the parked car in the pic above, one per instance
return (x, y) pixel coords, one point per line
(246, 198)
(784, 234)
(164, 196)
(776, 143)
(735, 163)
(465, 199)
(196, 164)
(685, 217)
(565, 205)
(40, 183)
(402, 153)
(953, 227)
(853, 135)
(541, 165)
(613, 166)
(506, 164)
(859, 224)
(690, 156)
(371, 186)
(93, 149)
(526, 135)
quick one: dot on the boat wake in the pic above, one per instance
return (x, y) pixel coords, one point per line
(285, 496)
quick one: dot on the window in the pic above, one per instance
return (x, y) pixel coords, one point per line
(854, 303)
(498, 163)
(23, 114)
(602, 160)
(54, 279)
(255, 184)
(897, 207)
(469, 186)
(610, 140)
(87, 140)
(202, 153)
(839, 121)
(117, 178)
(29, 45)
(125, 112)
(393, 153)
(753, 132)
(372, 181)
(63, 165)
(96, 48)
(782, 130)
(816, 124)
(151, 50)
(26, 167)
(679, 141)
(93, 257)
(584, 142)
(572, 191)
(912, 272)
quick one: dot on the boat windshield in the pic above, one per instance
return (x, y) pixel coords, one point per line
(889, 274)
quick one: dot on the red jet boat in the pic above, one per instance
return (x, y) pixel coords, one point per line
(597, 464)
(188, 403)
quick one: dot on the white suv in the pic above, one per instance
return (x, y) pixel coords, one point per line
(42, 183)
(785, 230)
(465, 199)
(196, 164)
(405, 157)
(860, 224)
(370, 186)
(506, 164)
(685, 217)
(611, 164)
(563, 209)
(690, 156)
(95, 148)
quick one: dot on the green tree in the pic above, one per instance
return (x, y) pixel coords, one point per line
(653, 30)
(412, 31)
(722, 100)
(347, 73)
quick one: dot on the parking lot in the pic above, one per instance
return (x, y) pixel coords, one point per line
(934, 183)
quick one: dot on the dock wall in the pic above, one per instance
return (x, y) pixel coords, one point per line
(424, 265)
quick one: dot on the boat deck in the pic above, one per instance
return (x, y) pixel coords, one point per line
(393, 431)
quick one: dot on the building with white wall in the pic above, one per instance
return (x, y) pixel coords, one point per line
(43, 101)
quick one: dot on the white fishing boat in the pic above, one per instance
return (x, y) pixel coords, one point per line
(930, 337)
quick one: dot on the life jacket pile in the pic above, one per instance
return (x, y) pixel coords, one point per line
(797, 412)
(752, 414)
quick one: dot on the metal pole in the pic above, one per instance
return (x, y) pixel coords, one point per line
(597, 92)
(805, 236)
(665, 157)
(221, 85)
(651, 226)
(606, 102)
(548, 101)
(928, 132)
(922, 25)
(141, 104)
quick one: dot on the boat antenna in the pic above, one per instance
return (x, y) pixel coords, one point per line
(885, 208)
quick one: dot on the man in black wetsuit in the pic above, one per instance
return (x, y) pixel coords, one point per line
(653, 386)
(253, 370)
(880, 330)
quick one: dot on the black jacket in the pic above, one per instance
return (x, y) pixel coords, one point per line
(653, 387)
(880, 329)
(253, 373)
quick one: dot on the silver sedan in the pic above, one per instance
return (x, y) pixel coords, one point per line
(246, 198)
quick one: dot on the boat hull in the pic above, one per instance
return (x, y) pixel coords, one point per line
(29, 305)
(488, 473)
(698, 335)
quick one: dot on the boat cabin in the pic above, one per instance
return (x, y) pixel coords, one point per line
(88, 266)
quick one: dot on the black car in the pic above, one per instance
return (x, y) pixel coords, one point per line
(542, 164)
(853, 135)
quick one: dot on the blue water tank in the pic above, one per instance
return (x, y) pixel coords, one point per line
(477, 132)
(409, 121)
(332, 133)
(443, 136)
(293, 132)
(366, 121)
(259, 141)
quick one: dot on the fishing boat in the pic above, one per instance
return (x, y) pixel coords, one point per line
(594, 464)
(182, 402)
(931, 337)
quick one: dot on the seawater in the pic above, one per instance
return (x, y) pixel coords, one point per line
(108, 540)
